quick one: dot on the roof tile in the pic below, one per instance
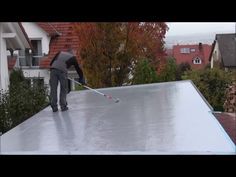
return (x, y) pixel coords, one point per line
(67, 39)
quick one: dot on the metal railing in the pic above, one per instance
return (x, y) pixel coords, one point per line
(29, 61)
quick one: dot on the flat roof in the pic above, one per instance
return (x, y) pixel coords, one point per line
(160, 118)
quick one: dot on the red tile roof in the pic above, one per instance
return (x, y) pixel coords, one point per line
(49, 28)
(66, 39)
(202, 52)
(228, 122)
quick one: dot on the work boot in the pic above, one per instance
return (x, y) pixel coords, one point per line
(54, 109)
(64, 109)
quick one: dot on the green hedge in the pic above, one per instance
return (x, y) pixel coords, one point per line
(212, 83)
(144, 73)
(21, 101)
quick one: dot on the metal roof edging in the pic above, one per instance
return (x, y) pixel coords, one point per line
(204, 99)
(211, 112)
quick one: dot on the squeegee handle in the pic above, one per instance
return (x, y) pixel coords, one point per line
(87, 87)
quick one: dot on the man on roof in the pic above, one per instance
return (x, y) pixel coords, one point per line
(58, 73)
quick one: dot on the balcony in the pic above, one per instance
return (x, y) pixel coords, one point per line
(29, 61)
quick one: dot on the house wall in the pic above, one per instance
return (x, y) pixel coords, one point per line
(4, 77)
(215, 58)
(11, 37)
(35, 32)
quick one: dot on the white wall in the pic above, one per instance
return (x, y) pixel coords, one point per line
(215, 57)
(4, 77)
(35, 32)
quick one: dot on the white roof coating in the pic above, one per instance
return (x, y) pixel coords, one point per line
(160, 118)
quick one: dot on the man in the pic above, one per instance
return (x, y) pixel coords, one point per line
(58, 67)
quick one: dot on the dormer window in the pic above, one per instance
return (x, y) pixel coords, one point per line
(193, 50)
(185, 50)
(197, 60)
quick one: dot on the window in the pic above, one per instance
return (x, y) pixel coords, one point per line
(192, 50)
(24, 58)
(37, 52)
(28, 59)
(197, 61)
(185, 50)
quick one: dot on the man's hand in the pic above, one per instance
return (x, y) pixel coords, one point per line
(82, 81)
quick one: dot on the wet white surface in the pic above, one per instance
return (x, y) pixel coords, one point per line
(164, 118)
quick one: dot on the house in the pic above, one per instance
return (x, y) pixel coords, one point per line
(223, 53)
(196, 55)
(12, 39)
(47, 39)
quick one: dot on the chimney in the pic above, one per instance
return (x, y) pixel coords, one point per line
(200, 46)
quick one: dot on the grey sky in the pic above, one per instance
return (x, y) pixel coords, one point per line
(186, 28)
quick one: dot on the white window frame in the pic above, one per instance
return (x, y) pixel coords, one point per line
(192, 50)
(31, 57)
(185, 50)
(195, 61)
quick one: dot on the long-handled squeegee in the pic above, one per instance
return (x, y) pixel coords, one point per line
(116, 100)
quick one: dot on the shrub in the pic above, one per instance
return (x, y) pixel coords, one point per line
(169, 71)
(21, 101)
(181, 68)
(212, 83)
(144, 73)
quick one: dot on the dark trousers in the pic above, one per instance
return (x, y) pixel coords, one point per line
(55, 77)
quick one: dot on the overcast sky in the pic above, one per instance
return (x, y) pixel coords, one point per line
(196, 27)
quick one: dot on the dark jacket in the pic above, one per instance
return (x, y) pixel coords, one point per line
(64, 60)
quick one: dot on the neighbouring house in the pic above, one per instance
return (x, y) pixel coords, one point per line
(47, 39)
(223, 53)
(12, 39)
(196, 55)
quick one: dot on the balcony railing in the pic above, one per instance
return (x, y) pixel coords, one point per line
(30, 61)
